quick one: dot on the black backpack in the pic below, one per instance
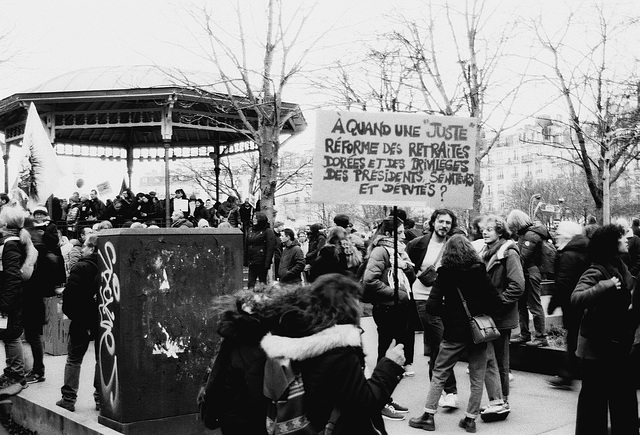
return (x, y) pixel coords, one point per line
(546, 258)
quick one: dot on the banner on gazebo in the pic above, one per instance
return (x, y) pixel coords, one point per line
(394, 159)
(39, 171)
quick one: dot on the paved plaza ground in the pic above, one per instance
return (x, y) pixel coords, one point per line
(536, 408)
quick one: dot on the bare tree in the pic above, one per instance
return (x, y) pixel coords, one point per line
(585, 71)
(478, 54)
(261, 82)
(235, 171)
(566, 190)
(413, 73)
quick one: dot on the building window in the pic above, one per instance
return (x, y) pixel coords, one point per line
(500, 175)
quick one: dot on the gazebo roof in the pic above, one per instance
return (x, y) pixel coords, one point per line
(134, 107)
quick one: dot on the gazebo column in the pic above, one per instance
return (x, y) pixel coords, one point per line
(167, 132)
(216, 168)
(129, 149)
(5, 157)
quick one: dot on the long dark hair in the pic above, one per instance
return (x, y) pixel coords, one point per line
(603, 245)
(439, 212)
(334, 299)
(459, 252)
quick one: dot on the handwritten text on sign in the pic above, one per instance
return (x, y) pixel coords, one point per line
(394, 159)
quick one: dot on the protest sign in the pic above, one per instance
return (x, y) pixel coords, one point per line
(103, 188)
(394, 159)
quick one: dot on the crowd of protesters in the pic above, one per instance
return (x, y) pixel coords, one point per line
(493, 266)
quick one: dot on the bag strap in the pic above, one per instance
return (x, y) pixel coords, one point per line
(440, 253)
(331, 424)
(464, 303)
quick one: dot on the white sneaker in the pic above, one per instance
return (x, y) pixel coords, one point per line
(408, 371)
(495, 413)
(450, 401)
(441, 399)
(511, 377)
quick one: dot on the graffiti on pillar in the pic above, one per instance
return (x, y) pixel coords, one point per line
(109, 298)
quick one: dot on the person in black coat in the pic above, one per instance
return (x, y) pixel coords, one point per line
(322, 338)
(240, 403)
(80, 304)
(610, 299)
(259, 249)
(529, 236)
(292, 260)
(571, 262)
(462, 271)
(14, 252)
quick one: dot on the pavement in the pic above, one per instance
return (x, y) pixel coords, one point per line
(536, 408)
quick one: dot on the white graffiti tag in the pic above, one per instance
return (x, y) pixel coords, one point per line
(109, 297)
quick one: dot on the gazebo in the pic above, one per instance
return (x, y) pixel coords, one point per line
(136, 112)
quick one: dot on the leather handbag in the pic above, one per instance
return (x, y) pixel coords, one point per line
(483, 328)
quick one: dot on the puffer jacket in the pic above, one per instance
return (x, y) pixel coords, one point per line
(291, 263)
(13, 255)
(374, 281)
(260, 246)
(332, 366)
(529, 239)
(481, 297)
(505, 272)
(607, 318)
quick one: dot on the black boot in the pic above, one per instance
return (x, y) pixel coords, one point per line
(468, 424)
(425, 421)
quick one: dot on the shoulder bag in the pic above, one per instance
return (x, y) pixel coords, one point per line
(483, 328)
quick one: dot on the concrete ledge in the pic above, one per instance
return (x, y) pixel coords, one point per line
(543, 360)
(45, 420)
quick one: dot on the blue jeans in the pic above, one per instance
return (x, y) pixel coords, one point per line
(449, 355)
(33, 336)
(15, 359)
(498, 363)
(432, 337)
(78, 344)
(530, 301)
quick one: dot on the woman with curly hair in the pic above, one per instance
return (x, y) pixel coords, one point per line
(611, 307)
(461, 271)
(336, 256)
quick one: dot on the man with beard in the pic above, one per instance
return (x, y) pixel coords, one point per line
(425, 252)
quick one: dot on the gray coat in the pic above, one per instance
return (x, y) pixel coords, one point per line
(505, 271)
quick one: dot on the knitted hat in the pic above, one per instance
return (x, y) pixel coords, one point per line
(40, 209)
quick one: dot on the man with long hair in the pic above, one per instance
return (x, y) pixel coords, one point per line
(425, 252)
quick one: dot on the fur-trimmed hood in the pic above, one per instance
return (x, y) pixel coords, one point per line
(303, 348)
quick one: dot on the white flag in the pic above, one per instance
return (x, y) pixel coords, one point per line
(39, 170)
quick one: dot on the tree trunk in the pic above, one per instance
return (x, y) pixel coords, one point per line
(268, 171)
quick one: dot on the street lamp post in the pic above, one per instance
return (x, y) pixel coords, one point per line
(533, 198)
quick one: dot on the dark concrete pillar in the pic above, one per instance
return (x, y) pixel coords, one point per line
(157, 331)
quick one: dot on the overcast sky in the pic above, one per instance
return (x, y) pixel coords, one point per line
(48, 38)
